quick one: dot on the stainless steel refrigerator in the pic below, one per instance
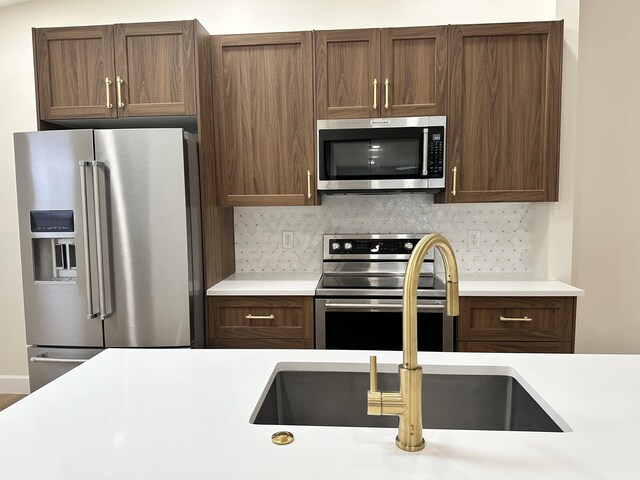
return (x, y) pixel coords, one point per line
(111, 243)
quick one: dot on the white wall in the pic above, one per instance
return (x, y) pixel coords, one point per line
(553, 222)
(607, 225)
(222, 16)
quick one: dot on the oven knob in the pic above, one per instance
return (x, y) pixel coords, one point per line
(335, 246)
(348, 245)
(408, 246)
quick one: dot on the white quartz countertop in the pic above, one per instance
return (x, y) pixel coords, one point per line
(290, 284)
(184, 414)
(471, 285)
(513, 284)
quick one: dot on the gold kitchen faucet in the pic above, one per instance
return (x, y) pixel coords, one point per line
(407, 403)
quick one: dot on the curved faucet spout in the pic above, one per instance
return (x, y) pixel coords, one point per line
(410, 292)
(407, 403)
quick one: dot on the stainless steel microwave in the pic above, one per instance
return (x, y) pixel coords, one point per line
(377, 154)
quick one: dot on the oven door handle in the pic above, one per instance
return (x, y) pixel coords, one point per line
(381, 306)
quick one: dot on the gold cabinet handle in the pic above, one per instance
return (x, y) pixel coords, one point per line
(375, 93)
(107, 84)
(260, 317)
(455, 181)
(515, 319)
(386, 93)
(308, 183)
(119, 82)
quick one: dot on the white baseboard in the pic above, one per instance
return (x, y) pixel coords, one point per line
(14, 384)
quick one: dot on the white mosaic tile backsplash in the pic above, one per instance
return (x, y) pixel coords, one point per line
(505, 230)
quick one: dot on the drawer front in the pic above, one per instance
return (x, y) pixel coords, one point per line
(516, 319)
(260, 318)
(516, 347)
(262, 343)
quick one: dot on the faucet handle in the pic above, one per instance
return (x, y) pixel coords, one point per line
(373, 373)
(374, 397)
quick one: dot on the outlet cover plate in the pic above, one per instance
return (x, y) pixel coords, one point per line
(287, 239)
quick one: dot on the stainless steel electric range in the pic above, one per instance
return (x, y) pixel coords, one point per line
(359, 297)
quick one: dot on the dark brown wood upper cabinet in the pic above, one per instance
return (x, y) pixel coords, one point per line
(504, 112)
(263, 116)
(156, 63)
(347, 65)
(72, 67)
(392, 72)
(414, 71)
(109, 71)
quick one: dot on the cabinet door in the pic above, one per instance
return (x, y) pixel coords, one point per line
(263, 115)
(348, 73)
(155, 63)
(414, 71)
(73, 66)
(504, 112)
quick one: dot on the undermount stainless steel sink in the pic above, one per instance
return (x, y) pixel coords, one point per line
(463, 398)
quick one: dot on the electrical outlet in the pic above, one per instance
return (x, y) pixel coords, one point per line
(473, 239)
(287, 239)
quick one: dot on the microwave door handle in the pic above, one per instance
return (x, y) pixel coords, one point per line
(425, 151)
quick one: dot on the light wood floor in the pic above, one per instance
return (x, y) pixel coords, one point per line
(9, 399)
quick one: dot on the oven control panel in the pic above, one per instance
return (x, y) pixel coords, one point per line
(363, 246)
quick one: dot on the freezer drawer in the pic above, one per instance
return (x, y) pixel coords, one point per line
(47, 364)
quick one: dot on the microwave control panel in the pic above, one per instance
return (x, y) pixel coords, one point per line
(435, 152)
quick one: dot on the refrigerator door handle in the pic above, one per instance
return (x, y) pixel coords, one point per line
(95, 166)
(85, 241)
(43, 358)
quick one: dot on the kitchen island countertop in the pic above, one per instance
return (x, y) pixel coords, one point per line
(174, 413)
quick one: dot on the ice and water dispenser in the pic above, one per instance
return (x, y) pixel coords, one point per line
(53, 243)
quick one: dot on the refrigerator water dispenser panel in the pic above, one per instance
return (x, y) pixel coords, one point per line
(51, 221)
(54, 260)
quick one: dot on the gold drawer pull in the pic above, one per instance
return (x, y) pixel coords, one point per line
(260, 317)
(515, 319)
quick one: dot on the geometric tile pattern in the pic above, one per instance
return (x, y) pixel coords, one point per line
(505, 230)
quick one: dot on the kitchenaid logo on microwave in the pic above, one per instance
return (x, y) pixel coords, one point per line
(380, 122)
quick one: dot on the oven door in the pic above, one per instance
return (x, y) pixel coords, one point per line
(376, 324)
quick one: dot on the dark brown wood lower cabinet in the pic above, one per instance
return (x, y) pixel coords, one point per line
(260, 322)
(517, 324)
